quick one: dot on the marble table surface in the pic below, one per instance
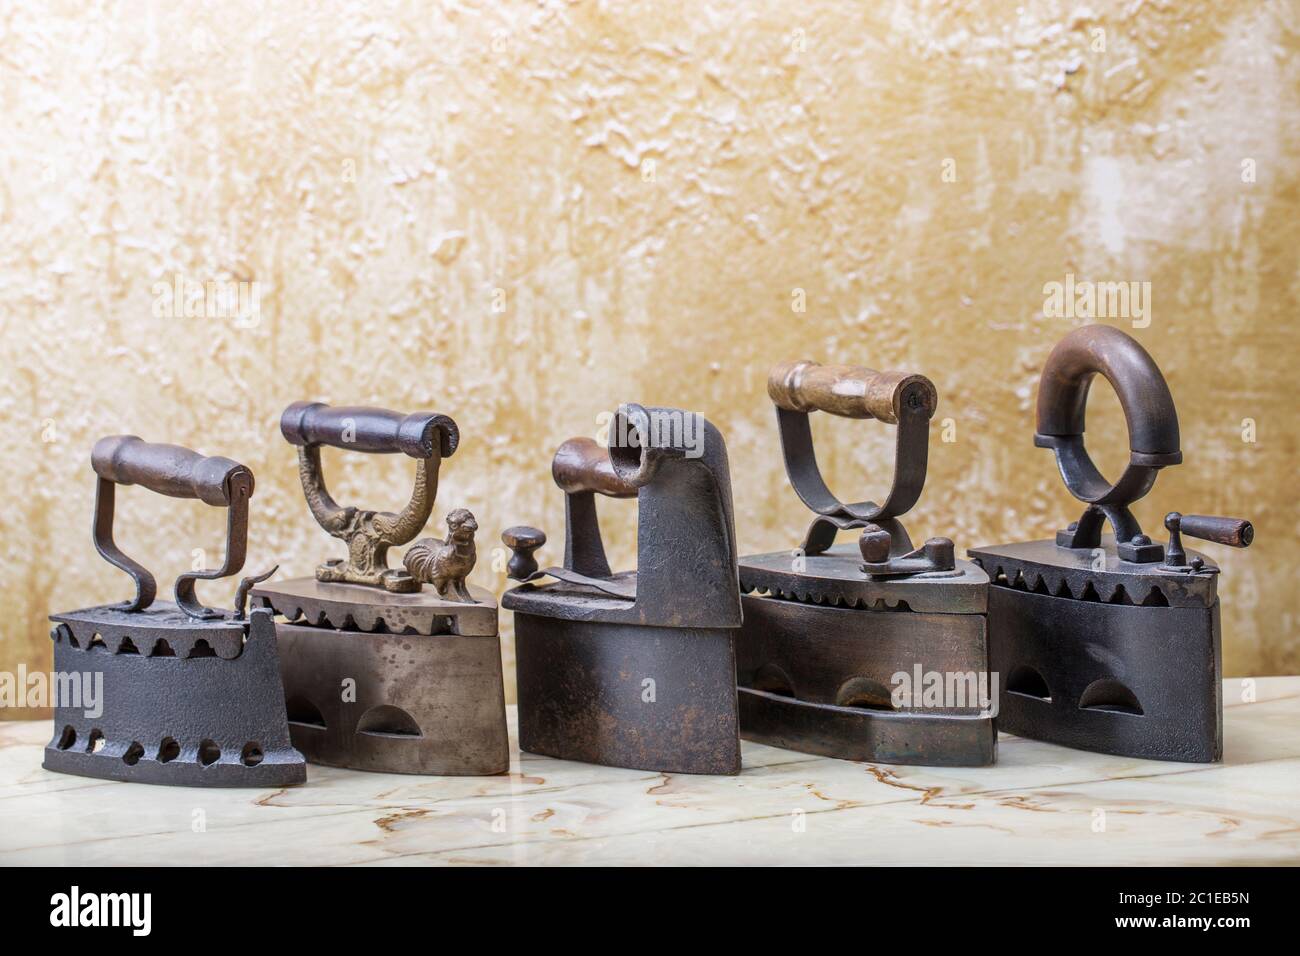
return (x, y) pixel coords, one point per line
(1041, 804)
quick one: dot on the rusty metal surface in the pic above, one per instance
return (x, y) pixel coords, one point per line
(1110, 643)
(827, 627)
(421, 704)
(583, 694)
(185, 702)
(635, 668)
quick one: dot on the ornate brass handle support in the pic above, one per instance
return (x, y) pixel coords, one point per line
(425, 436)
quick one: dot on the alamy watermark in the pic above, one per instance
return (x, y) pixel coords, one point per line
(82, 690)
(928, 690)
(237, 301)
(1085, 299)
(665, 427)
(74, 908)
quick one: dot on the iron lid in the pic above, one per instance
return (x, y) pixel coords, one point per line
(835, 577)
(1096, 574)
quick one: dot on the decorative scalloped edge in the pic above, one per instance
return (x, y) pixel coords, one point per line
(1055, 585)
(103, 639)
(370, 623)
(828, 598)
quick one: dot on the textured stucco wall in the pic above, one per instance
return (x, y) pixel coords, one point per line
(522, 213)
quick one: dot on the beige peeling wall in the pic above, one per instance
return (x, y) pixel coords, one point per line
(520, 214)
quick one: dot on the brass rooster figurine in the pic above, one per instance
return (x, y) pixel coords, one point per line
(446, 564)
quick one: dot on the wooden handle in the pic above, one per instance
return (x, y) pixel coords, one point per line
(850, 391)
(582, 465)
(168, 469)
(375, 430)
(1234, 532)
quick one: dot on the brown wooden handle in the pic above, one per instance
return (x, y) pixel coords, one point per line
(850, 391)
(1234, 532)
(582, 465)
(369, 429)
(169, 469)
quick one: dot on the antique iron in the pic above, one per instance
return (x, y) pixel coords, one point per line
(1110, 642)
(634, 669)
(379, 673)
(189, 695)
(830, 628)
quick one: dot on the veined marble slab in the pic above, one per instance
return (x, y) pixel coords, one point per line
(1040, 804)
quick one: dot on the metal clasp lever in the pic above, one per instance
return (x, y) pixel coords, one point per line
(1234, 532)
(875, 543)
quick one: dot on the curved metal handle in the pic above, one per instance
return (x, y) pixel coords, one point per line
(903, 399)
(850, 391)
(368, 429)
(169, 469)
(580, 465)
(1143, 395)
(179, 473)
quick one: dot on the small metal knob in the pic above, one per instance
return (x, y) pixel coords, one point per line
(522, 541)
(875, 544)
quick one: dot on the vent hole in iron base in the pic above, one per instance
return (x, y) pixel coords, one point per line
(95, 742)
(168, 750)
(772, 680)
(133, 754)
(303, 711)
(251, 755)
(1028, 682)
(865, 694)
(67, 738)
(1110, 696)
(209, 753)
(389, 721)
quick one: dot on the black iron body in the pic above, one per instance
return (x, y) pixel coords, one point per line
(183, 694)
(1133, 679)
(829, 630)
(184, 702)
(1110, 643)
(636, 669)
